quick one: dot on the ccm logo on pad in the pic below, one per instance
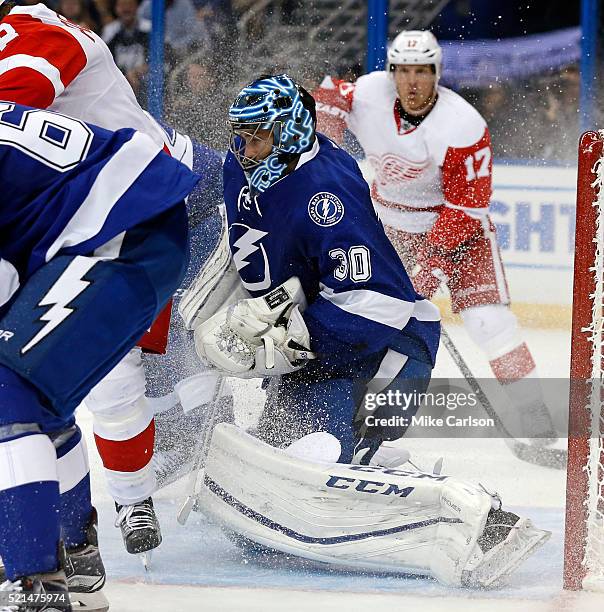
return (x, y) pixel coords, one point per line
(368, 486)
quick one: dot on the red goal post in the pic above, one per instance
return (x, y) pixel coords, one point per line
(584, 537)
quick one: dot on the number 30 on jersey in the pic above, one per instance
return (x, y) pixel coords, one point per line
(354, 263)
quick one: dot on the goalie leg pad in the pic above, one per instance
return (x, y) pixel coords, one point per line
(366, 517)
(216, 285)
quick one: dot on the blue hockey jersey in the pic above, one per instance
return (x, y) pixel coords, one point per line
(69, 187)
(318, 223)
(207, 162)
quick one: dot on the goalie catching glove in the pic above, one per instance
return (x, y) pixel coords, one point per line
(258, 337)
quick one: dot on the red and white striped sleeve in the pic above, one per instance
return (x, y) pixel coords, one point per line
(466, 182)
(466, 173)
(37, 61)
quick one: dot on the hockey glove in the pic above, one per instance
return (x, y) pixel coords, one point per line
(453, 228)
(445, 243)
(333, 99)
(216, 285)
(434, 267)
(254, 338)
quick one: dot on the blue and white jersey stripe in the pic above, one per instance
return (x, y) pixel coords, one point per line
(69, 187)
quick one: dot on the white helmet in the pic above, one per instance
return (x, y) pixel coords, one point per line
(415, 47)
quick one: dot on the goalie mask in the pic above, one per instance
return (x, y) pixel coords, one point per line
(416, 47)
(277, 110)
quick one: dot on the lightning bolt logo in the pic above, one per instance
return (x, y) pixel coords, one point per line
(67, 287)
(326, 209)
(245, 246)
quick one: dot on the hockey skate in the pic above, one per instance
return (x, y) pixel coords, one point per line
(140, 528)
(28, 592)
(86, 573)
(507, 540)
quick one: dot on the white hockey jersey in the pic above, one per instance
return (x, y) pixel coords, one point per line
(48, 62)
(445, 160)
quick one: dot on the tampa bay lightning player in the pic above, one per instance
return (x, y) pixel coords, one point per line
(300, 216)
(93, 242)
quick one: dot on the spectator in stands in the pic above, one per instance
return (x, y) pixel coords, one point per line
(559, 131)
(216, 17)
(80, 12)
(254, 20)
(494, 104)
(129, 44)
(182, 28)
(195, 100)
(289, 9)
(103, 9)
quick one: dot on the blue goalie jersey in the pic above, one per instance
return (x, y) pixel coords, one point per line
(318, 223)
(69, 187)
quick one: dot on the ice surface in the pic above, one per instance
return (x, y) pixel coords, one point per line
(197, 568)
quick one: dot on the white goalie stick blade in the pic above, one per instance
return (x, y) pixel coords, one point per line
(499, 562)
(185, 510)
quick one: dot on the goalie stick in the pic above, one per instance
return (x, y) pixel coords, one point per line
(544, 456)
(201, 451)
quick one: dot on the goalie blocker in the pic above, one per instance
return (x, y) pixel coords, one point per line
(362, 516)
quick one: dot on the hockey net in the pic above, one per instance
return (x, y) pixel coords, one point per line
(584, 541)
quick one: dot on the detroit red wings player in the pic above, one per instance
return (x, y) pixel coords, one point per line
(49, 62)
(431, 154)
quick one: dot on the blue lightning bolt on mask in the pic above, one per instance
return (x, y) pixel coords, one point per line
(272, 104)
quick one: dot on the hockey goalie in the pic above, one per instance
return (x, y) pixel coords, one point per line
(316, 301)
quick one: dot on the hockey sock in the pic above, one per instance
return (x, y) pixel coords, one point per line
(130, 475)
(29, 527)
(76, 510)
(29, 487)
(74, 479)
(517, 372)
(513, 365)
